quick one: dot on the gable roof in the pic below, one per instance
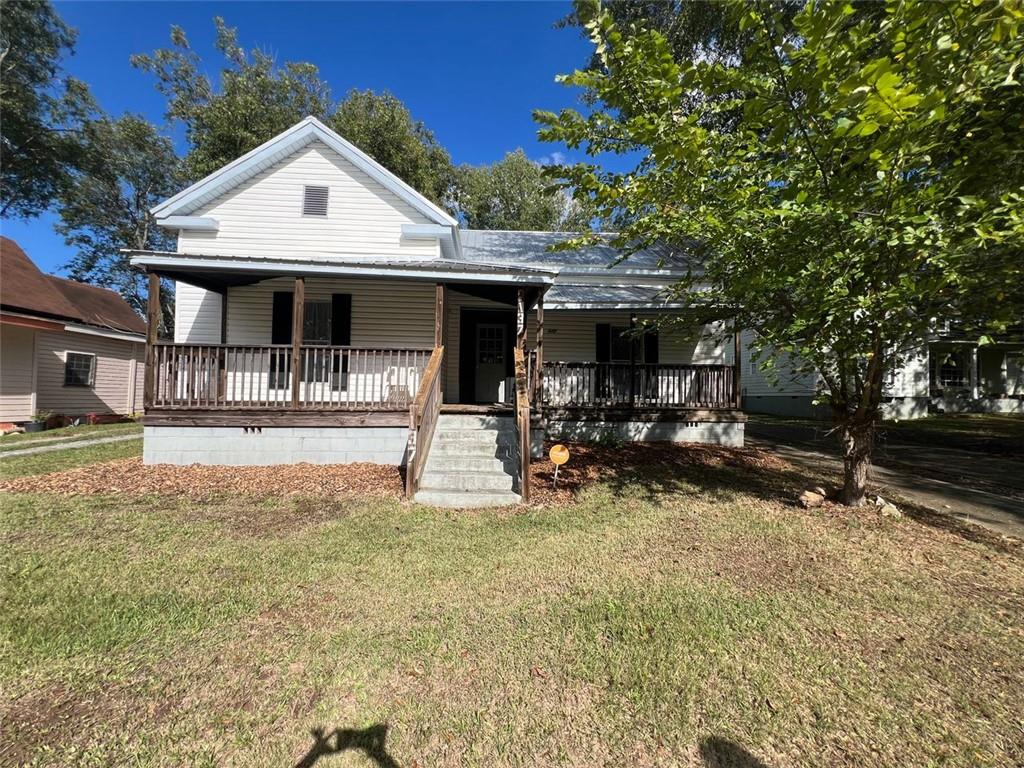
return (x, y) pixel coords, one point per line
(284, 144)
(24, 288)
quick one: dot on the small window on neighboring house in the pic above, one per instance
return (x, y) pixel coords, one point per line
(79, 369)
(314, 201)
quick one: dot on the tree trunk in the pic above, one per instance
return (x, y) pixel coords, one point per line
(858, 441)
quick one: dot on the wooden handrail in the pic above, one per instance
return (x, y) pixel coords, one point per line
(423, 414)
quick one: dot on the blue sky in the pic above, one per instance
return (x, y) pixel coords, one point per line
(472, 71)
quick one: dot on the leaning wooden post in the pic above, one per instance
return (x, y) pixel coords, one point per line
(538, 361)
(438, 315)
(439, 291)
(152, 326)
(737, 354)
(522, 395)
(298, 314)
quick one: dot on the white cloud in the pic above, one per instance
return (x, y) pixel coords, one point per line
(555, 158)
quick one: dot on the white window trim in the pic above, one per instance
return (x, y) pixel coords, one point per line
(92, 370)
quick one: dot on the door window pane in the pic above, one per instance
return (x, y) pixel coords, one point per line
(491, 344)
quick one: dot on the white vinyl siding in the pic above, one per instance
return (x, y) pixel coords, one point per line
(113, 377)
(571, 336)
(197, 315)
(17, 365)
(264, 215)
(384, 313)
(911, 378)
(755, 384)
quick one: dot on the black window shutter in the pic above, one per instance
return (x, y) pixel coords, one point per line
(281, 329)
(604, 342)
(341, 319)
(651, 347)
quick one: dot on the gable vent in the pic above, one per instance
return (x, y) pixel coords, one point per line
(314, 201)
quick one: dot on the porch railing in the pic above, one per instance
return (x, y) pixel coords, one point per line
(669, 385)
(423, 416)
(224, 377)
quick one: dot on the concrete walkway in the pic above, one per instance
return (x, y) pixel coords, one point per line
(66, 445)
(969, 486)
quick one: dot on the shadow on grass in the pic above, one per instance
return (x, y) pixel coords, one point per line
(369, 741)
(651, 470)
(648, 471)
(722, 753)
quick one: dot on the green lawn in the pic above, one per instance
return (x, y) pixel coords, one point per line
(695, 618)
(21, 440)
(990, 432)
(67, 457)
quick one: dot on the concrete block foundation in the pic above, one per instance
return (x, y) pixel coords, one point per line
(729, 433)
(241, 446)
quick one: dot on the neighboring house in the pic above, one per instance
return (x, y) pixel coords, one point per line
(947, 374)
(327, 312)
(65, 347)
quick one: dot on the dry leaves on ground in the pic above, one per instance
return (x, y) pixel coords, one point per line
(132, 477)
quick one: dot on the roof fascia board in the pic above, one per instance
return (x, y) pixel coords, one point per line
(194, 223)
(110, 334)
(576, 305)
(355, 270)
(299, 134)
(30, 321)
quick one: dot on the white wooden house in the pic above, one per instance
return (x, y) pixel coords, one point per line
(947, 373)
(327, 312)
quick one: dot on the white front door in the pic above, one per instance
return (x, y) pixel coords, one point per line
(490, 363)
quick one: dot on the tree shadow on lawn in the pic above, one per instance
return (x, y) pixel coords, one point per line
(651, 470)
(723, 753)
(369, 741)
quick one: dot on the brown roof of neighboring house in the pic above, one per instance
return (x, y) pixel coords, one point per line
(24, 288)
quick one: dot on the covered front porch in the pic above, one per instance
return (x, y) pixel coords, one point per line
(278, 346)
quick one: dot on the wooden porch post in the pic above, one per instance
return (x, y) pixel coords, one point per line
(737, 354)
(152, 325)
(438, 315)
(632, 358)
(439, 293)
(538, 363)
(522, 395)
(298, 314)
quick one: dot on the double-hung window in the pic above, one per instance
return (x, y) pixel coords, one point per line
(79, 369)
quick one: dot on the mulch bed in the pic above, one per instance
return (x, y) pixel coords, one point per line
(133, 478)
(589, 464)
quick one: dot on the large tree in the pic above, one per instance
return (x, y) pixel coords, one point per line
(126, 169)
(256, 98)
(382, 126)
(869, 178)
(41, 108)
(517, 193)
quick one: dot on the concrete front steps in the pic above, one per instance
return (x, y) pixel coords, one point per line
(471, 462)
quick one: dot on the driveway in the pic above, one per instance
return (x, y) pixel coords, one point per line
(973, 487)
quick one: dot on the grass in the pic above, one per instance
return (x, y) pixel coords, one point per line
(989, 432)
(705, 623)
(21, 440)
(65, 458)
